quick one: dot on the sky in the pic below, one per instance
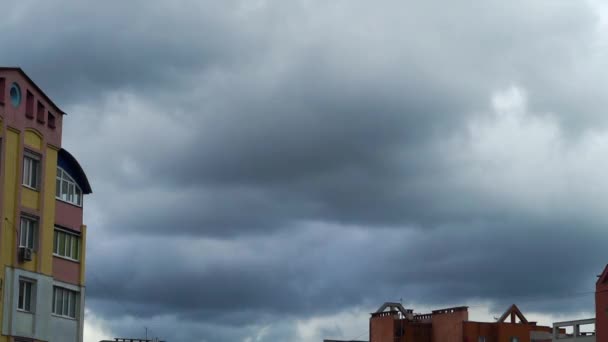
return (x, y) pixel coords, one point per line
(271, 170)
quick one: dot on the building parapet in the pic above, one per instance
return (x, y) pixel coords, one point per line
(450, 310)
(385, 313)
(422, 317)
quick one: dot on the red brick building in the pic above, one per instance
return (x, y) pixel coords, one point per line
(601, 307)
(393, 323)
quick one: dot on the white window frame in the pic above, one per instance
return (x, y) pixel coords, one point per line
(75, 245)
(73, 190)
(28, 232)
(26, 301)
(69, 302)
(31, 179)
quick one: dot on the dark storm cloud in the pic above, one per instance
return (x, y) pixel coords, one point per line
(309, 128)
(260, 163)
(135, 46)
(304, 275)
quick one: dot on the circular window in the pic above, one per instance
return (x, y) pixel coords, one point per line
(15, 94)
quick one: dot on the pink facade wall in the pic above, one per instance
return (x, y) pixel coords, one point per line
(66, 270)
(68, 215)
(15, 117)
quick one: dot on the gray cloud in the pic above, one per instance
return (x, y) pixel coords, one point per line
(262, 163)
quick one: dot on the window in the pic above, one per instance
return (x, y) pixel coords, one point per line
(41, 112)
(66, 245)
(64, 302)
(51, 120)
(26, 289)
(514, 339)
(15, 95)
(27, 233)
(2, 89)
(29, 105)
(66, 188)
(31, 170)
(481, 339)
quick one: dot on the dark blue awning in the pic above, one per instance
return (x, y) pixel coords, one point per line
(70, 165)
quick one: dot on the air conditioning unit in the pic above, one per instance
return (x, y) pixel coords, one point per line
(25, 254)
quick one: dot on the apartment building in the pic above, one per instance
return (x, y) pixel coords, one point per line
(42, 235)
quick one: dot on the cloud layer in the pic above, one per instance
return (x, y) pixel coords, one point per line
(270, 170)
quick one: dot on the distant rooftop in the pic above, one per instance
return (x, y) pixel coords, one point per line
(119, 339)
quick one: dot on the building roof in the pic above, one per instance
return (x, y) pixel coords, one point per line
(393, 307)
(46, 97)
(450, 310)
(67, 161)
(121, 339)
(513, 311)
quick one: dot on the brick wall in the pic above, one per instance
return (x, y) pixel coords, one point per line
(448, 327)
(382, 329)
(601, 308)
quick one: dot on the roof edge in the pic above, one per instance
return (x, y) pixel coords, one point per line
(46, 97)
(602, 277)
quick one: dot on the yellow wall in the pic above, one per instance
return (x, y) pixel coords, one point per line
(83, 249)
(33, 139)
(42, 203)
(10, 147)
(48, 216)
(11, 184)
(30, 198)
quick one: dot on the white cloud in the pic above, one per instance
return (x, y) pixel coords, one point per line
(348, 324)
(94, 328)
(526, 162)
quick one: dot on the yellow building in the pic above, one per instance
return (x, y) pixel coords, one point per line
(42, 236)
